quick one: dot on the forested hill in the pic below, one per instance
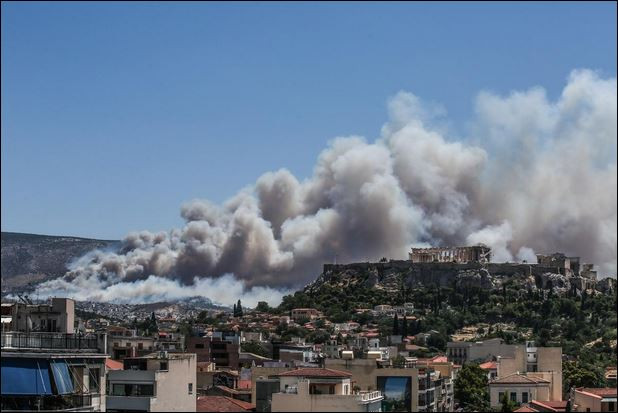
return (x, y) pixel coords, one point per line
(31, 258)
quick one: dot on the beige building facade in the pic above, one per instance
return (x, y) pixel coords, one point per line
(159, 382)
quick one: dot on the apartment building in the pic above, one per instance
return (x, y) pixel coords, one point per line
(125, 342)
(413, 387)
(523, 359)
(223, 350)
(56, 317)
(51, 371)
(318, 390)
(298, 314)
(158, 382)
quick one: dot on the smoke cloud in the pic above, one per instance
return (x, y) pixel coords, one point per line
(534, 176)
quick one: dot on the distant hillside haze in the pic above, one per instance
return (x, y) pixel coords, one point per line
(31, 258)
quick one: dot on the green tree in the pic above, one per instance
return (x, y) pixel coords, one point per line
(404, 326)
(395, 325)
(262, 307)
(507, 404)
(255, 348)
(471, 388)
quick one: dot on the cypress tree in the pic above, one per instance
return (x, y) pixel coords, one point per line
(395, 326)
(404, 327)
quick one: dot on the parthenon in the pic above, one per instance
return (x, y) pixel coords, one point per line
(477, 253)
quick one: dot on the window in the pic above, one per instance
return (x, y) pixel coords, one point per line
(140, 346)
(190, 388)
(199, 345)
(524, 397)
(345, 389)
(500, 396)
(133, 390)
(513, 396)
(163, 365)
(94, 376)
(611, 406)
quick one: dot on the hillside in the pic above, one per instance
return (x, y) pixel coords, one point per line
(31, 258)
(453, 302)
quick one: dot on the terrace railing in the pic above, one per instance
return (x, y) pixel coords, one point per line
(52, 341)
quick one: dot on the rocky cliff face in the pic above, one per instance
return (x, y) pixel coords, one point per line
(30, 259)
(391, 275)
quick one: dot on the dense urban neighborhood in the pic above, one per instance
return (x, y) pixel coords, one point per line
(446, 330)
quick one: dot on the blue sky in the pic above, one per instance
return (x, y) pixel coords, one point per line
(115, 114)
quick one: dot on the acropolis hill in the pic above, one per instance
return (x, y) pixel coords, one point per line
(462, 267)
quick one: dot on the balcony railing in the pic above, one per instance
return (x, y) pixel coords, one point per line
(369, 396)
(55, 341)
(46, 403)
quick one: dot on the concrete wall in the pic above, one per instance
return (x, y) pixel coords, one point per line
(535, 392)
(550, 360)
(583, 402)
(172, 386)
(305, 402)
(264, 372)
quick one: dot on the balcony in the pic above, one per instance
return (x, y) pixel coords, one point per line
(47, 403)
(368, 397)
(48, 341)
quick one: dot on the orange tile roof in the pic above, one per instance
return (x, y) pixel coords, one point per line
(315, 372)
(552, 406)
(222, 404)
(600, 391)
(113, 364)
(490, 365)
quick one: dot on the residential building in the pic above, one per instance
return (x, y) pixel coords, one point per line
(125, 342)
(417, 386)
(594, 400)
(299, 314)
(518, 388)
(157, 382)
(321, 390)
(529, 360)
(222, 350)
(52, 371)
(56, 317)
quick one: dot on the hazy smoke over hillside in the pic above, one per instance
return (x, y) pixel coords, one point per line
(534, 175)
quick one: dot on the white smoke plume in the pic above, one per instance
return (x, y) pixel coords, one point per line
(534, 175)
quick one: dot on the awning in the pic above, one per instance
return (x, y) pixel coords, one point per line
(62, 377)
(25, 377)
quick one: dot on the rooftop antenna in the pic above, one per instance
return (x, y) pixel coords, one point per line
(335, 258)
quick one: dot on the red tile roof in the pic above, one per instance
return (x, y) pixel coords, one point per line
(114, 364)
(222, 404)
(315, 372)
(490, 365)
(552, 406)
(601, 391)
